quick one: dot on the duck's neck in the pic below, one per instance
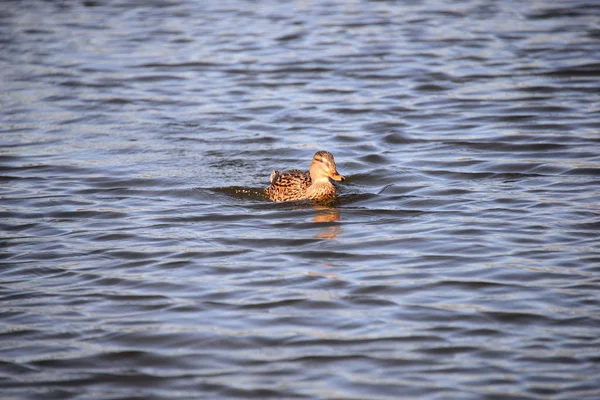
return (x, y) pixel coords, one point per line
(321, 180)
(320, 188)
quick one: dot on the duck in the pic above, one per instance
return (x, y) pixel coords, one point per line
(315, 184)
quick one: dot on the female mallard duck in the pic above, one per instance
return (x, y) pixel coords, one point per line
(312, 185)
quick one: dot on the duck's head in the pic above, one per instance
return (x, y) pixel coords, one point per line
(323, 167)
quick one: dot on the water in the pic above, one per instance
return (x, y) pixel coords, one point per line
(139, 259)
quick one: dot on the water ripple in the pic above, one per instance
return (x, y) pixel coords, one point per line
(140, 258)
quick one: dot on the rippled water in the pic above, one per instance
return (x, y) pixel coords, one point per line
(139, 259)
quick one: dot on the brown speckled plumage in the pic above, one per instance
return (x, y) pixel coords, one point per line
(314, 184)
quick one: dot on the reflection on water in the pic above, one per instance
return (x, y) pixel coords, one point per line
(140, 258)
(327, 214)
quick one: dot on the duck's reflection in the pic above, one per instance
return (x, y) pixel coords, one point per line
(327, 214)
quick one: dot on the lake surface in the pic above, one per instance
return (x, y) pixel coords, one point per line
(139, 259)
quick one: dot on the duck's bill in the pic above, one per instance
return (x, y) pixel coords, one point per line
(337, 177)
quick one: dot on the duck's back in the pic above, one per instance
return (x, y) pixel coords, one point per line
(288, 185)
